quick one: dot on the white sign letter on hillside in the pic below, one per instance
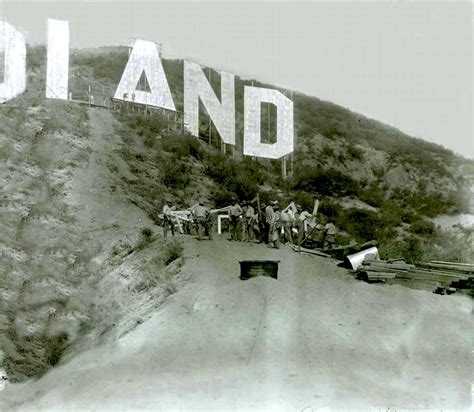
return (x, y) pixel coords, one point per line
(58, 59)
(12, 42)
(222, 113)
(145, 59)
(253, 146)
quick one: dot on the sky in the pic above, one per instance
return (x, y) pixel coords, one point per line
(406, 63)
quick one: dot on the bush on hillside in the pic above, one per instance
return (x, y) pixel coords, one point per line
(173, 249)
(373, 194)
(241, 179)
(451, 245)
(175, 173)
(362, 224)
(410, 248)
(423, 227)
(184, 146)
(329, 182)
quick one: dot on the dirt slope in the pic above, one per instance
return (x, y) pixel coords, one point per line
(313, 338)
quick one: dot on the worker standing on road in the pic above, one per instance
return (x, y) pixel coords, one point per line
(269, 212)
(275, 227)
(235, 214)
(329, 235)
(201, 216)
(286, 224)
(208, 224)
(167, 218)
(249, 221)
(301, 217)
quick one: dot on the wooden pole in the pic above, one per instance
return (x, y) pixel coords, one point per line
(268, 122)
(316, 206)
(283, 167)
(210, 124)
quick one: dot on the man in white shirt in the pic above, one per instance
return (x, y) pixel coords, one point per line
(302, 217)
(167, 218)
(202, 216)
(235, 213)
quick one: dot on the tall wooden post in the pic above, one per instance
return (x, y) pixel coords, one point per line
(283, 167)
(210, 124)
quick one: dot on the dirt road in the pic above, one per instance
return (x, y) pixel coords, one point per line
(314, 338)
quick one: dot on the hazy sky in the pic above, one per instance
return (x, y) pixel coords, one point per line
(408, 64)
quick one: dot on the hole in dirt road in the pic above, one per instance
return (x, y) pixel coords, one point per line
(253, 268)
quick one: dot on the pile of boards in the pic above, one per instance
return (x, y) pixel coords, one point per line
(438, 277)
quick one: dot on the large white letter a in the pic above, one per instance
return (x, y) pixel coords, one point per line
(145, 59)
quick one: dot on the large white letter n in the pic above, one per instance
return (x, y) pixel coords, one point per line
(12, 42)
(222, 113)
(145, 60)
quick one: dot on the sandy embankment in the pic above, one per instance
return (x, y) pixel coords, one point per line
(313, 338)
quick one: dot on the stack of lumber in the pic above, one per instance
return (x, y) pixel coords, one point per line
(450, 276)
(438, 277)
(374, 270)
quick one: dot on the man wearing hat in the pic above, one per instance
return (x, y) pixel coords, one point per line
(301, 217)
(269, 214)
(275, 226)
(202, 217)
(248, 222)
(168, 218)
(235, 213)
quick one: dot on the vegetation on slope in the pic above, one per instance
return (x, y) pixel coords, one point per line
(405, 181)
(49, 281)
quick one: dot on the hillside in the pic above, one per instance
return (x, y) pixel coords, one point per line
(397, 183)
(314, 338)
(83, 260)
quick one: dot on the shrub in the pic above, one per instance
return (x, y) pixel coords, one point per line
(240, 179)
(423, 227)
(330, 209)
(362, 224)
(355, 153)
(451, 245)
(173, 250)
(146, 237)
(329, 182)
(183, 146)
(410, 248)
(223, 198)
(176, 173)
(373, 195)
(305, 200)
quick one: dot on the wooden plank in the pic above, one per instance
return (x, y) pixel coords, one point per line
(445, 267)
(380, 275)
(453, 263)
(381, 269)
(438, 274)
(315, 253)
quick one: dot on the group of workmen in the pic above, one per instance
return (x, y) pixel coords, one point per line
(268, 224)
(198, 215)
(271, 225)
